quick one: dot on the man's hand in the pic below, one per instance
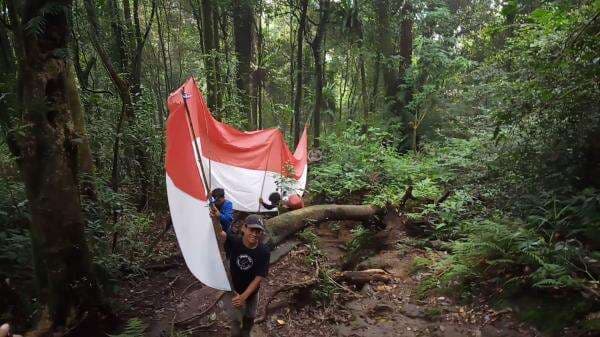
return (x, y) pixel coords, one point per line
(223, 235)
(214, 212)
(260, 200)
(238, 301)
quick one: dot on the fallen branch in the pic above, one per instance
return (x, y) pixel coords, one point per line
(285, 288)
(289, 287)
(365, 276)
(188, 287)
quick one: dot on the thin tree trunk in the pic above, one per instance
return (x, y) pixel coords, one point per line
(217, 63)
(376, 71)
(161, 44)
(406, 54)
(259, 78)
(243, 17)
(299, 71)
(119, 42)
(386, 49)
(363, 88)
(127, 111)
(317, 49)
(292, 67)
(6, 53)
(345, 84)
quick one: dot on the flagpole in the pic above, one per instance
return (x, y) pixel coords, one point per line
(216, 224)
(185, 97)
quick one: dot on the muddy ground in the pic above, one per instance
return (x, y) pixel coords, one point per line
(170, 300)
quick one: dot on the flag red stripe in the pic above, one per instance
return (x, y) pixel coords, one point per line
(180, 162)
(258, 150)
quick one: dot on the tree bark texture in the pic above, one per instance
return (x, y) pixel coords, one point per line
(406, 40)
(210, 52)
(317, 49)
(299, 71)
(243, 18)
(49, 150)
(286, 224)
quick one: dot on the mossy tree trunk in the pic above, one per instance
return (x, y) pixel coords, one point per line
(48, 149)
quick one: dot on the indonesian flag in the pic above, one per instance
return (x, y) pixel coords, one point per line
(244, 164)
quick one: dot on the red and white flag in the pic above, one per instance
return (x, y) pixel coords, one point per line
(247, 165)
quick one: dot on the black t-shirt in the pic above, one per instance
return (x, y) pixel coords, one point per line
(245, 263)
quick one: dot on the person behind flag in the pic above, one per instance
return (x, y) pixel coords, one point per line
(249, 265)
(274, 198)
(221, 209)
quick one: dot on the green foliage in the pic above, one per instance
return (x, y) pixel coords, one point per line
(542, 97)
(361, 238)
(324, 290)
(312, 242)
(419, 264)
(367, 164)
(134, 328)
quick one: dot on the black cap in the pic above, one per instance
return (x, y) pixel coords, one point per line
(254, 221)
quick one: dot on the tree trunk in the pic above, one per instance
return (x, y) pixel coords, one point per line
(204, 14)
(217, 63)
(48, 150)
(161, 43)
(376, 71)
(406, 39)
(292, 67)
(317, 50)
(386, 49)
(299, 71)
(243, 17)
(363, 88)
(119, 42)
(6, 52)
(259, 74)
(85, 158)
(210, 49)
(282, 226)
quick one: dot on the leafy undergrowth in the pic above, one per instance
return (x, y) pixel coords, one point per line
(500, 245)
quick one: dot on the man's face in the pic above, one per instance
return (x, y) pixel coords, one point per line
(219, 201)
(252, 235)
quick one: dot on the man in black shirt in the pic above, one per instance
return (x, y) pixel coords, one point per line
(249, 265)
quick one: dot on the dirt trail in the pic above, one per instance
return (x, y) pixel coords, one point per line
(392, 309)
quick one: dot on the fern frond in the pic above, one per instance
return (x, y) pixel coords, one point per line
(135, 328)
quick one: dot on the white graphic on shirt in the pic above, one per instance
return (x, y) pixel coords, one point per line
(244, 262)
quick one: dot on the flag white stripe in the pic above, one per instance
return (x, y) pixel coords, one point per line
(242, 185)
(196, 237)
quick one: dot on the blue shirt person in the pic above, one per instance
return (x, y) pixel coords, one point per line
(222, 209)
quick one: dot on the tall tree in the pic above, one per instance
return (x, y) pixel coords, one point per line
(406, 48)
(205, 13)
(47, 148)
(385, 46)
(299, 70)
(243, 26)
(318, 56)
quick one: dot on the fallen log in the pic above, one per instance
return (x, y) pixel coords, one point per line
(364, 276)
(284, 225)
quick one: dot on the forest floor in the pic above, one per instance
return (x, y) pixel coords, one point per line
(169, 301)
